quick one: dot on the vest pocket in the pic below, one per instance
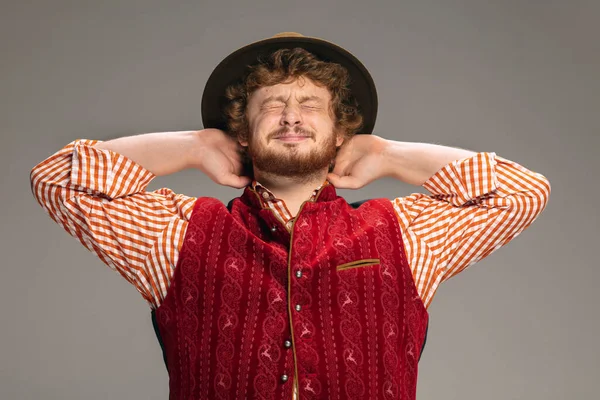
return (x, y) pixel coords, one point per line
(358, 263)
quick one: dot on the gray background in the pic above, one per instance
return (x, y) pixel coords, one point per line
(516, 77)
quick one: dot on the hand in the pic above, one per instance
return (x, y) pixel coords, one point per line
(359, 162)
(220, 158)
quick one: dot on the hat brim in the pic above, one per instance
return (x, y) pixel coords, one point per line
(234, 66)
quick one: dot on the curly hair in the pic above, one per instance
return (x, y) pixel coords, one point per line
(285, 65)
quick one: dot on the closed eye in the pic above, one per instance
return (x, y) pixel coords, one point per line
(311, 107)
(272, 106)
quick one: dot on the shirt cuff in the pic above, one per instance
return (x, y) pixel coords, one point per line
(104, 172)
(465, 180)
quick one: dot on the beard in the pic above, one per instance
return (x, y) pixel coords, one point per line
(292, 162)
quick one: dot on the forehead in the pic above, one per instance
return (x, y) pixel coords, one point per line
(299, 87)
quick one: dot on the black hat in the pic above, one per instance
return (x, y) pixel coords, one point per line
(234, 67)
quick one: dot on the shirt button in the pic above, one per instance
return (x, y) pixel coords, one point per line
(273, 228)
(284, 378)
(299, 274)
(298, 307)
(287, 344)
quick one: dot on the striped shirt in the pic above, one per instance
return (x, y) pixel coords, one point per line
(476, 205)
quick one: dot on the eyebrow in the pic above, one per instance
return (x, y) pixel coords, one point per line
(302, 99)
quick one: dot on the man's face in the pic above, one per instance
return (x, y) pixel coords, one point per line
(292, 129)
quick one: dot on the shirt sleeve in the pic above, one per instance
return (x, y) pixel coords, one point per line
(476, 205)
(99, 197)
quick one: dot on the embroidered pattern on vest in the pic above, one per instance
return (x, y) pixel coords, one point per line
(338, 287)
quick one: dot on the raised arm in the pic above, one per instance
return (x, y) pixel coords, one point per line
(212, 151)
(97, 192)
(478, 203)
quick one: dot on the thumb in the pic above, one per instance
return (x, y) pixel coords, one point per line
(343, 182)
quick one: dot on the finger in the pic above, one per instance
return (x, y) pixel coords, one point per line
(340, 167)
(344, 182)
(235, 181)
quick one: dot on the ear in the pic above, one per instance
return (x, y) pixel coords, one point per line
(243, 139)
(339, 140)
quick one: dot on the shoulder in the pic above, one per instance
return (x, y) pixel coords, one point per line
(365, 204)
(208, 204)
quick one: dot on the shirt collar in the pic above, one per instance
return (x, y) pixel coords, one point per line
(266, 195)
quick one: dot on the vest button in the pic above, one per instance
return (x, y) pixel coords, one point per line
(298, 307)
(299, 274)
(284, 378)
(287, 344)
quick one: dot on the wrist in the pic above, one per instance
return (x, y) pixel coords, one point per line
(195, 143)
(391, 154)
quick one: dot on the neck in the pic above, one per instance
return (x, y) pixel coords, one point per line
(292, 190)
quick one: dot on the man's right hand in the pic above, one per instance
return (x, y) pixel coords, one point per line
(163, 153)
(219, 157)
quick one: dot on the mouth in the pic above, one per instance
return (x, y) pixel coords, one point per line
(292, 138)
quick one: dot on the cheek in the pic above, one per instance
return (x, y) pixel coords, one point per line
(261, 126)
(266, 120)
(322, 123)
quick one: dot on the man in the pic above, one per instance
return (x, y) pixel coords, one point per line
(289, 291)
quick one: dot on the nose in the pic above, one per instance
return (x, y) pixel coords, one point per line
(291, 116)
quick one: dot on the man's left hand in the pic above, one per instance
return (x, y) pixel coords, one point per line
(359, 162)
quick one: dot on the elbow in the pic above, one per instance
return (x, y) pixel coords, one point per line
(36, 179)
(534, 200)
(50, 178)
(40, 178)
(527, 205)
(542, 191)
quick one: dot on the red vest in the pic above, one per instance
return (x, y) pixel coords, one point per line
(253, 310)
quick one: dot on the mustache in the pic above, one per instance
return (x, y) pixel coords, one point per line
(285, 131)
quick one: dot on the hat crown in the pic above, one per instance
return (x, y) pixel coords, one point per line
(288, 34)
